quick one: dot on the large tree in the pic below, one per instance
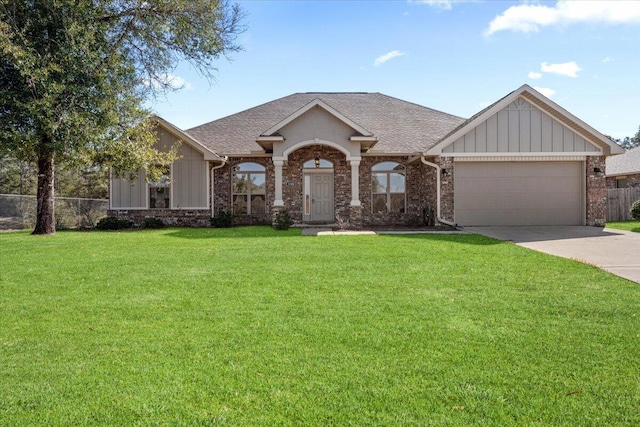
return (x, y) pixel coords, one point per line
(75, 75)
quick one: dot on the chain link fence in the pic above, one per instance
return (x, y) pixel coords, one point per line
(19, 212)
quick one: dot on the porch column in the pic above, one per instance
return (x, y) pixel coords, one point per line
(355, 182)
(278, 172)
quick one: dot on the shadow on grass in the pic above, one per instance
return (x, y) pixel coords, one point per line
(467, 239)
(231, 233)
(253, 232)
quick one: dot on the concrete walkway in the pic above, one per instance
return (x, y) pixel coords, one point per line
(615, 251)
(326, 231)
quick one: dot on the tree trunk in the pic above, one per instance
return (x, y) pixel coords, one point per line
(45, 218)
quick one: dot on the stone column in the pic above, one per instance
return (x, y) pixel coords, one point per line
(355, 182)
(278, 184)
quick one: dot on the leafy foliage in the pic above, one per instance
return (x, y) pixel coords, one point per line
(112, 223)
(153, 222)
(74, 76)
(635, 210)
(223, 219)
(283, 220)
(628, 142)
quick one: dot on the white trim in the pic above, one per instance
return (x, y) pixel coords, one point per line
(319, 103)
(171, 185)
(601, 140)
(357, 138)
(315, 141)
(512, 158)
(270, 139)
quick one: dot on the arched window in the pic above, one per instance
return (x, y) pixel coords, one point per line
(318, 163)
(388, 187)
(248, 189)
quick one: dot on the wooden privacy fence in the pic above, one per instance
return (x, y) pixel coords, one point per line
(619, 201)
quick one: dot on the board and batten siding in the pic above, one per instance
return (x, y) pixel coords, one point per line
(129, 194)
(189, 180)
(521, 128)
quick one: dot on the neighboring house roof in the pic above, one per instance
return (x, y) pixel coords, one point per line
(540, 101)
(624, 164)
(399, 126)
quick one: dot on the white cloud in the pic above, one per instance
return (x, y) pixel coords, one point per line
(548, 92)
(529, 18)
(167, 80)
(569, 69)
(608, 59)
(386, 57)
(440, 4)
(534, 75)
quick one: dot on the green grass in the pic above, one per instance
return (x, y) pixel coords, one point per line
(625, 225)
(250, 326)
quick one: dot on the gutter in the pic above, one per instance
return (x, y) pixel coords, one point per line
(438, 216)
(224, 159)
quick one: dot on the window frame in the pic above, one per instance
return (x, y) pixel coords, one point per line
(253, 169)
(163, 186)
(388, 172)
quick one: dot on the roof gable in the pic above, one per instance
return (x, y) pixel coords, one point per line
(186, 138)
(580, 137)
(321, 104)
(399, 126)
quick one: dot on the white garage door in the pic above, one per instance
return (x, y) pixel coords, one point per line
(518, 193)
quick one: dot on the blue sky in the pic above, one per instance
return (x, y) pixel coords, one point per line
(453, 56)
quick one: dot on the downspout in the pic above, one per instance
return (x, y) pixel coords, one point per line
(438, 216)
(225, 159)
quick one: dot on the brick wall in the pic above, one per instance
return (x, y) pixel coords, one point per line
(596, 191)
(222, 194)
(171, 217)
(632, 181)
(420, 193)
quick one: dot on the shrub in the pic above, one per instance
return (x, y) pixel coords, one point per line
(153, 222)
(224, 219)
(283, 221)
(635, 210)
(112, 223)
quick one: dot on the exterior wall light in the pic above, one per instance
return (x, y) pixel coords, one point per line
(317, 160)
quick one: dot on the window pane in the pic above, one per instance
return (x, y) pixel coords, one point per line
(257, 184)
(249, 167)
(240, 183)
(397, 203)
(379, 184)
(159, 198)
(239, 204)
(387, 166)
(258, 205)
(379, 203)
(397, 183)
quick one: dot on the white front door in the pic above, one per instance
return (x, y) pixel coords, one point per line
(318, 197)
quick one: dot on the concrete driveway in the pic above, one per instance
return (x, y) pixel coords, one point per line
(615, 251)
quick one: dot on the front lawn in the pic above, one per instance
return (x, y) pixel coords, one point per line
(625, 225)
(250, 326)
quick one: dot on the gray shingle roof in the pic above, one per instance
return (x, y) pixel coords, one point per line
(400, 126)
(627, 163)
